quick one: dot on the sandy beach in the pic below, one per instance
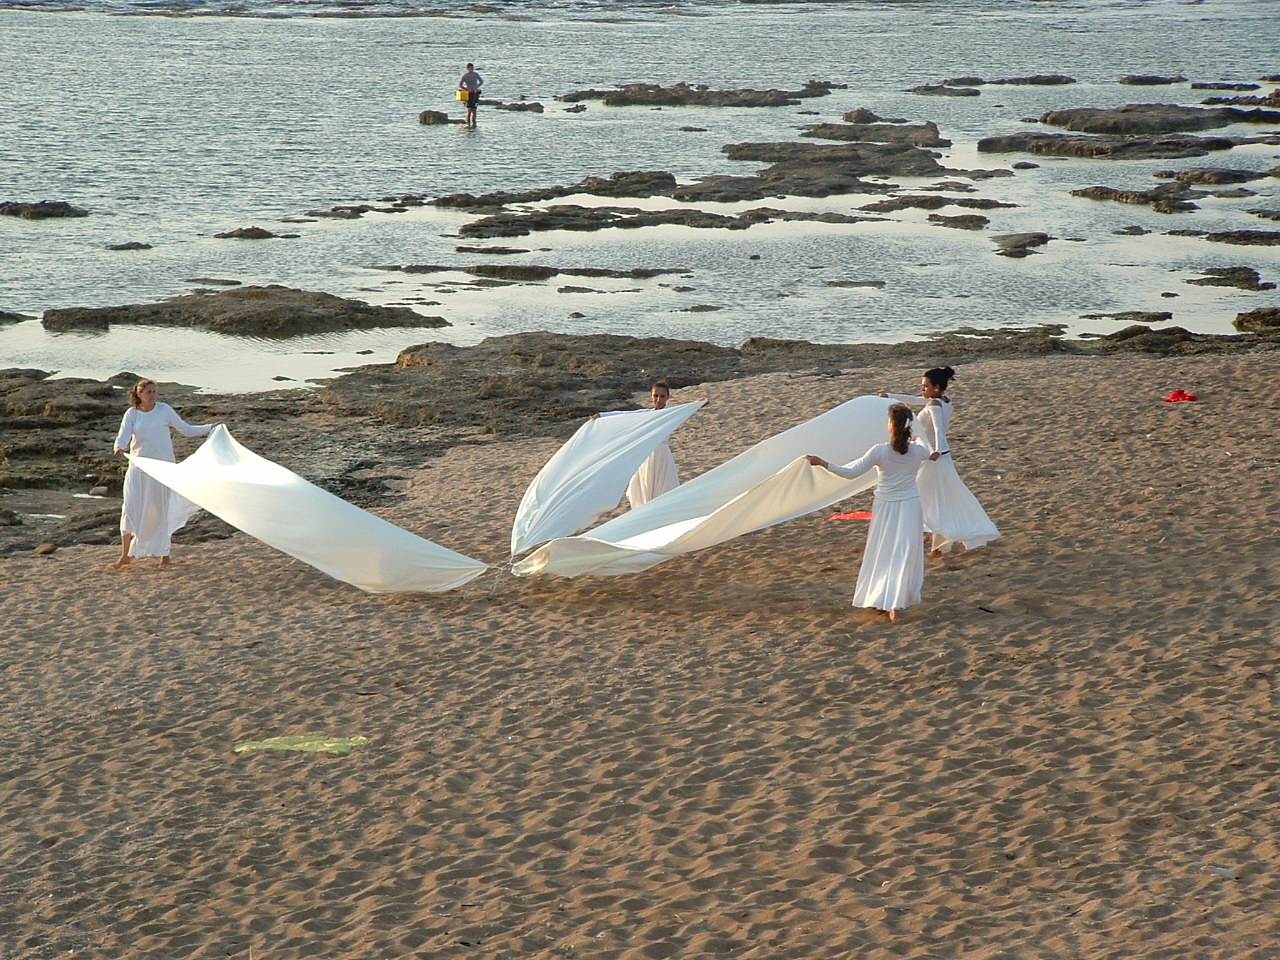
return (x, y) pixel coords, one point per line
(1068, 750)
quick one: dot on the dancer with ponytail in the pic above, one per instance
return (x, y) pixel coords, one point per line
(892, 572)
(952, 514)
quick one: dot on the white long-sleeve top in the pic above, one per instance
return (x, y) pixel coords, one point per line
(895, 472)
(147, 434)
(932, 422)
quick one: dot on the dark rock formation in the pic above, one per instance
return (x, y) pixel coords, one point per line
(966, 221)
(1262, 320)
(920, 135)
(1250, 100)
(352, 211)
(863, 115)
(40, 210)
(1215, 175)
(1244, 278)
(1220, 85)
(1150, 81)
(1170, 341)
(1266, 214)
(1040, 79)
(942, 90)
(932, 202)
(131, 245)
(857, 159)
(7, 317)
(1165, 147)
(579, 218)
(1240, 238)
(271, 311)
(576, 217)
(1130, 316)
(526, 106)
(1151, 118)
(1165, 198)
(631, 183)
(253, 233)
(1018, 245)
(435, 117)
(687, 95)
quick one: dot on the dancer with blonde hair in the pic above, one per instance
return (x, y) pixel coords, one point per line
(151, 512)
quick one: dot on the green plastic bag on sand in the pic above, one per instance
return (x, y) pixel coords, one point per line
(337, 746)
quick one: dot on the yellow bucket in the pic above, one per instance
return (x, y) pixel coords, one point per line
(462, 95)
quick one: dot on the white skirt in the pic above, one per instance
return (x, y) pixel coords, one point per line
(151, 513)
(951, 512)
(892, 572)
(655, 477)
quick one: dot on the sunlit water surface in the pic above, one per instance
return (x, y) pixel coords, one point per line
(171, 122)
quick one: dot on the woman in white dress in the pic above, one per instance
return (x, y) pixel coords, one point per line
(151, 511)
(952, 513)
(892, 572)
(658, 473)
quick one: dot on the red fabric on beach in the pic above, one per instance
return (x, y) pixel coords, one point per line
(1179, 395)
(856, 515)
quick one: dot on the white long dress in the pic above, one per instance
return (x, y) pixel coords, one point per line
(952, 514)
(892, 572)
(656, 475)
(151, 511)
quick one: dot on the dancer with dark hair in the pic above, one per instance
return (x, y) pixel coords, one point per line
(658, 473)
(892, 572)
(952, 514)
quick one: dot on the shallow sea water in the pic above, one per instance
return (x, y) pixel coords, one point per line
(170, 128)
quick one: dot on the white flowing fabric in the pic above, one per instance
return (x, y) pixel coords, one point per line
(283, 510)
(586, 477)
(760, 487)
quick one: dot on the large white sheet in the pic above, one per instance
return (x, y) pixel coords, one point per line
(586, 477)
(280, 508)
(760, 487)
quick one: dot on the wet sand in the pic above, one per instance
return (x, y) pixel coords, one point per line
(1067, 750)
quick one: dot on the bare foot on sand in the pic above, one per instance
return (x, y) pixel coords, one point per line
(120, 564)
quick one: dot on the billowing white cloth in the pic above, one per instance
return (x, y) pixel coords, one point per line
(760, 487)
(283, 510)
(585, 478)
